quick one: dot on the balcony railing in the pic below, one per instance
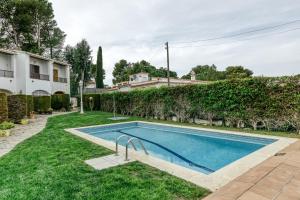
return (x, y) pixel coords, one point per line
(60, 80)
(6, 73)
(44, 77)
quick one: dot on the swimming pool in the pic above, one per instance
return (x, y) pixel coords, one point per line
(199, 150)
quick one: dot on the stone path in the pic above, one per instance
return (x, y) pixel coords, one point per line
(107, 161)
(277, 178)
(23, 132)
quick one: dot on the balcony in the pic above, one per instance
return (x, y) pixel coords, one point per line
(6, 73)
(44, 77)
(60, 80)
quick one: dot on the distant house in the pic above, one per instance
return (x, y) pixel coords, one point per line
(26, 73)
(143, 80)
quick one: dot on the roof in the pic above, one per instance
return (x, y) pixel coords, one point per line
(140, 73)
(60, 63)
(37, 56)
(12, 52)
(7, 51)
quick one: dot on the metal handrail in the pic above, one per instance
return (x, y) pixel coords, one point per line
(130, 142)
(39, 76)
(6, 73)
(117, 142)
(60, 80)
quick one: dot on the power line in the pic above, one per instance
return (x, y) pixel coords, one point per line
(238, 34)
(237, 40)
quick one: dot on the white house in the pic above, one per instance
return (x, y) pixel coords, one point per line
(143, 80)
(26, 73)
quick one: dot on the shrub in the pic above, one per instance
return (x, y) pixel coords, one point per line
(270, 103)
(6, 125)
(3, 107)
(42, 104)
(30, 105)
(17, 107)
(86, 101)
(4, 133)
(60, 101)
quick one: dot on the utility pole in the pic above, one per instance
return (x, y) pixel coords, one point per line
(168, 63)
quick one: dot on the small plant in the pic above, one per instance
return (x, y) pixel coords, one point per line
(24, 121)
(6, 125)
(4, 133)
(49, 111)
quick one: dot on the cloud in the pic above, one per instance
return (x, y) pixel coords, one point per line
(137, 29)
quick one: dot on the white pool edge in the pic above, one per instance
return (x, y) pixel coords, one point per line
(211, 181)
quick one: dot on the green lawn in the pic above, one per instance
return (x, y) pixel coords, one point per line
(51, 165)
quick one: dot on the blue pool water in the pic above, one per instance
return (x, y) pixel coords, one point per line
(195, 149)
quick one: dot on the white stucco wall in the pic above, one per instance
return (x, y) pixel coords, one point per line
(44, 66)
(7, 62)
(21, 83)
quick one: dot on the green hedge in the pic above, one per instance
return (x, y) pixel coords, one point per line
(42, 104)
(3, 107)
(17, 107)
(30, 105)
(60, 101)
(86, 101)
(270, 103)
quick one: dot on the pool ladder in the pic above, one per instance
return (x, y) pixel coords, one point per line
(129, 141)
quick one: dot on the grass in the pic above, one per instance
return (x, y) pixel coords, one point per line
(50, 165)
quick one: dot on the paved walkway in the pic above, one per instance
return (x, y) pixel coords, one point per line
(23, 132)
(277, 178)
(107, 161)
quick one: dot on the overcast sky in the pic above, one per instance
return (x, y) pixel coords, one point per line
(137, 29)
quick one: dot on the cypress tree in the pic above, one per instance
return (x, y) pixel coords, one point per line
(99, 70)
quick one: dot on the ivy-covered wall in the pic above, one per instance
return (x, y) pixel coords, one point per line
(3, 107)
(270, 103)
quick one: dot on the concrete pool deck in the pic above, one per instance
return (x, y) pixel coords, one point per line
(213, 181)
(277, 178)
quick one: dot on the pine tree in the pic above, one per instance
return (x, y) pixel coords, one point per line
(99, 70)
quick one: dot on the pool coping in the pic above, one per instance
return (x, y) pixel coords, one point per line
(211, 181)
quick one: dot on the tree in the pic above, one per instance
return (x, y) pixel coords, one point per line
(80, 59)
(208, 73)
(54, 40)
(99, 70)
(232, 72)
(29, 25)
(123, 70)
(120, 72)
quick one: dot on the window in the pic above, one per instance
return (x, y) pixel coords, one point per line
(35, 71)
(55, 75)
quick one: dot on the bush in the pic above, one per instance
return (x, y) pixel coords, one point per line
(17, 107)
(3, 107)
(86, 101)
(30, 105)
(269, 103)
(42, 104)
(4, 133)
(60, 101)
(6, 125)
